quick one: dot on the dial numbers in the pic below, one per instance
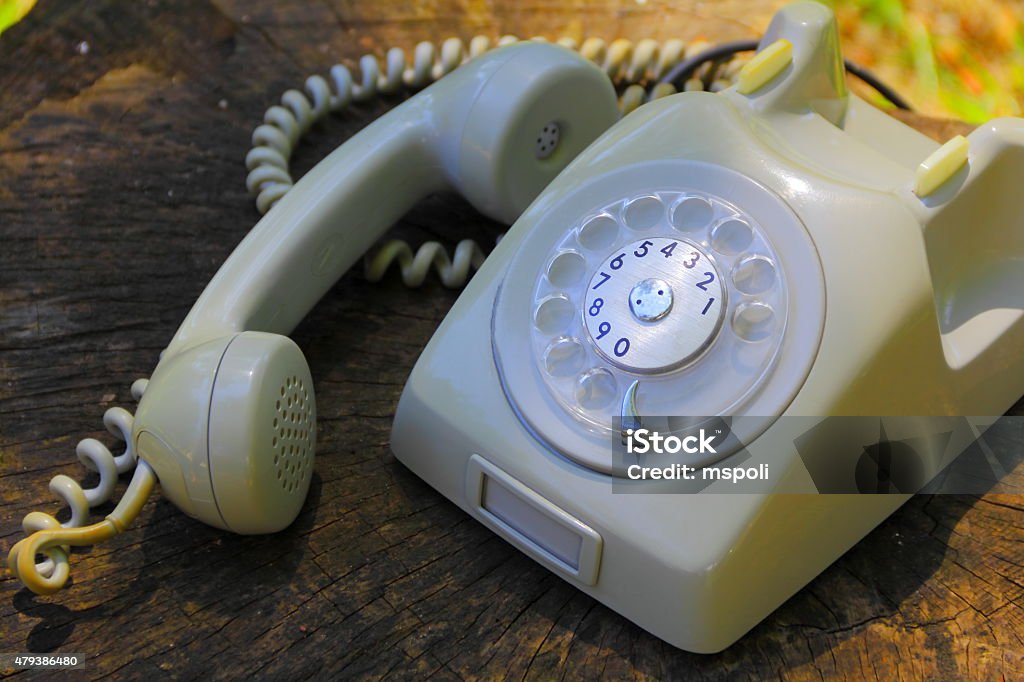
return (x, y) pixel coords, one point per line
(570, 344)
(678, 287)
(654, 305)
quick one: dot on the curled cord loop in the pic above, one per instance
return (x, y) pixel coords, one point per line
(453, 271)
(54, 542)
(95, 456)
(629, 65)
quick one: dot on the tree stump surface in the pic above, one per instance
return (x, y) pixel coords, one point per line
(123, 127)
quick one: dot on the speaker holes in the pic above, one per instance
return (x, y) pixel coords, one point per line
(291, 445)
(547, 140)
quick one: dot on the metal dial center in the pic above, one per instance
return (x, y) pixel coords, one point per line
(650, 299)
(654, 305)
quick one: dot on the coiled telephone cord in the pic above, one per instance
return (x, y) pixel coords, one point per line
(629, 65)
(643, 71)
(51, 538)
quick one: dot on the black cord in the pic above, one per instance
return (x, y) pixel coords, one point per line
(873, 80)
(685, 69)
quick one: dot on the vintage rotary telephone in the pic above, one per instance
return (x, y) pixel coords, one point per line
(778, 248)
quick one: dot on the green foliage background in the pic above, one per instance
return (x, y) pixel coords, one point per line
(956, 58)
(962, 58)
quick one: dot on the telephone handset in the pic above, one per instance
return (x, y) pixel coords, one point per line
(752, 252)
(227, 422)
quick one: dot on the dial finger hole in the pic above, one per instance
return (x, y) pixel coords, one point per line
(595, 388)
(754, 321)
(564, 357)
(598, 233)
(731, 236)
(692, 213)
(566, 269)
(554, 314)
(754, 275)
(643, 213)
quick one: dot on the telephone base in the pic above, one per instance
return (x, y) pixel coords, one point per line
(696, 570)
(878, 298)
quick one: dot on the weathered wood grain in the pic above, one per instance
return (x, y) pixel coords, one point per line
(121, 192)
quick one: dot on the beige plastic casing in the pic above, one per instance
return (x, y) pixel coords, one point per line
(908, 329)
(473, 132)
(229, 428)
(228, 419)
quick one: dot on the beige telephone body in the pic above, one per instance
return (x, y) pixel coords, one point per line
(842, 264)
(781, 248)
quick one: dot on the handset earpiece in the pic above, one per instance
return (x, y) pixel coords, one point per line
(229, 427)
(497, 130)
(533, 115)
(227, 423)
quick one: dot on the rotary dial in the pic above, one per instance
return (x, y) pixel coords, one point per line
(678, 289)
(658, 292)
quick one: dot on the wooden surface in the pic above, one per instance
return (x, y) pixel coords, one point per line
(121, 192)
